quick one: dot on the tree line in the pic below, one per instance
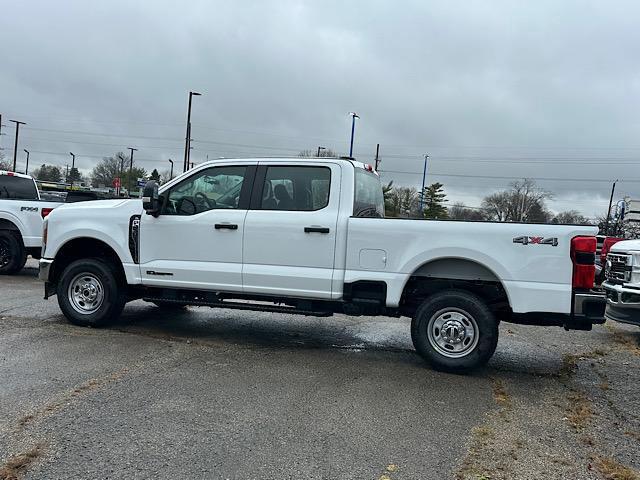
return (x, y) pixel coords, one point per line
(523, 201)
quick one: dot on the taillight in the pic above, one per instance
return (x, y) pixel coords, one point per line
(606, 246)
(583, 256)
(45, 211)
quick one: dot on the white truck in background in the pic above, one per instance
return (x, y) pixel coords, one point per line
(21, 214)
(622, 282)
(308, 236)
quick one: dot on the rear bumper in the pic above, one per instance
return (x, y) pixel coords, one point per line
(623, 303)
(587, 309)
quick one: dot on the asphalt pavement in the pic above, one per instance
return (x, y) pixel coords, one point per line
(211, 393)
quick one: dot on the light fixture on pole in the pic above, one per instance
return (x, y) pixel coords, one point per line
(131, 184)
(26, 168)
(354, 115)
(73, 164)
(424, 179)
(187, 138)
(320, 148)
(171, 174)
(15, 145)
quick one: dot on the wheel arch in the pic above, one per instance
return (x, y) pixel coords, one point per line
(85, 247)
(452, 272)
(11, 223)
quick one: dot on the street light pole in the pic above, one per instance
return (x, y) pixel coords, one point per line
(354, 115)
(15, 145)
(26, 168)
(131, 168)
(320, 148)
(424, 179)
(171, 174)
(73, 164)
(187, 139)
(606, 224)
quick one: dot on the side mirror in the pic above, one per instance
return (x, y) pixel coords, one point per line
(151, 199)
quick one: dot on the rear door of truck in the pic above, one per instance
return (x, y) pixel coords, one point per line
(290, 230)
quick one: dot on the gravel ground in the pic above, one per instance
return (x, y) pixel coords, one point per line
(228, 394)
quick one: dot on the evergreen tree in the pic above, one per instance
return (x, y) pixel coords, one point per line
(433, 201)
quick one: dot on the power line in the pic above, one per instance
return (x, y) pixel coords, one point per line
(455, 175)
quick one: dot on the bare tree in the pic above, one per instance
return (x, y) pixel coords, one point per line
(571, 217)
(523, 202)
(326, 152)
(4, 165)
(459, 211)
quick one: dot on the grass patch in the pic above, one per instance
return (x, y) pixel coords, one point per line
(500, 394)
(16, 465)
(610, 469)
(579, 411)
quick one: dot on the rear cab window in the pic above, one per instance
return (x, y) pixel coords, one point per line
(18, 188)
(368, 199)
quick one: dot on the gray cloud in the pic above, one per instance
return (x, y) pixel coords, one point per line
(488, 89)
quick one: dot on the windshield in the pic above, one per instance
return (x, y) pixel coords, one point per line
(368, 199)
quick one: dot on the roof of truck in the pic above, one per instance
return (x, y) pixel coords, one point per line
(15, 174)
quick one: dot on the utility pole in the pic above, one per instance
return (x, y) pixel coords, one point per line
(15, 145)
(606, 224)
(320, 148)
(66, 174)
(26, 169)
(187, 139)
(377, 156)
(171, 174)
(354, 115)
(73, 165)
(131, 169)
(118, 188)
(424, 179)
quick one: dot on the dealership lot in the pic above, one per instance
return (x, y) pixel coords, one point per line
(232, 394)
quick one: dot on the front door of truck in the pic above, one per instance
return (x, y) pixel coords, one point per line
(290, 230)
(196, 241)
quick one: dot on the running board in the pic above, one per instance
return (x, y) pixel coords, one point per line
(242, 306)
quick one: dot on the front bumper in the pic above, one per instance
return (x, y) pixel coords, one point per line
(623, 303)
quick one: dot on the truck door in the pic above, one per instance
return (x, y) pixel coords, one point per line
(290, 230)
(196, 241)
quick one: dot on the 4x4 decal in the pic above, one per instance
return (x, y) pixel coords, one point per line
(526, 240)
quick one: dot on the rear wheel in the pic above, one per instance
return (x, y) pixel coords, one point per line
(89, 293)
(13, 255)
(454, 331)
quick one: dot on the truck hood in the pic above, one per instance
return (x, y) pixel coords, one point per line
(626, 246)
(97, 209)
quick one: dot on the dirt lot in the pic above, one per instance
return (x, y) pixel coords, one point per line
(227, 394)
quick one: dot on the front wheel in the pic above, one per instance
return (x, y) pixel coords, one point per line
(89, 293)
(454, 331)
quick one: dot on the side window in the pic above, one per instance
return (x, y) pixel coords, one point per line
(296, 188)
(213, 188)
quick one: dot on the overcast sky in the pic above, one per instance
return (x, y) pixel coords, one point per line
(490, 90)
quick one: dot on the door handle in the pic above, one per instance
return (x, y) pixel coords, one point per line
(316, 230)
(228, 226)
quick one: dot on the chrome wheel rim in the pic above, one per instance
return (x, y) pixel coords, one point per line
(85, 293)
(453, 332)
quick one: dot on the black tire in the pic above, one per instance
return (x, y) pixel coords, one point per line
(13, 255)
(453, 348)
(91, 275)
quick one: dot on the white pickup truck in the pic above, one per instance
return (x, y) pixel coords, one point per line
(309, 237)
(622, 282)
(21, 214)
